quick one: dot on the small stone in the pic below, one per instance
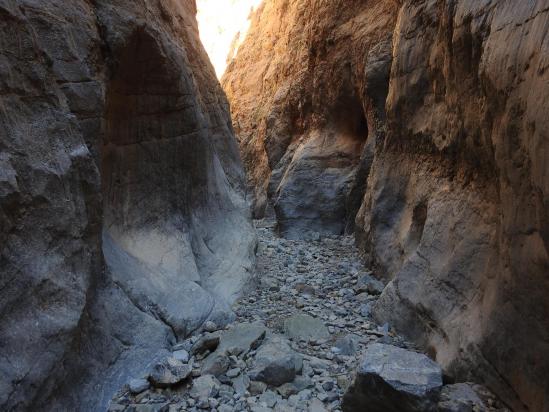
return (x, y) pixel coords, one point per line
(269, 398)
(257, 388)
(315, 405)
(233, 373)
(208, 342)
(215, 365)
(139, 385)
(205, 387)
(241, 384)
(169, 372)
(347, 345)
(328, 386)
(343, 381)
(181, 355)
(210, 326)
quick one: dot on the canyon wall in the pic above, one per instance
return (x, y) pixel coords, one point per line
(307, 83)
(430, 118)
(123, 221)
(457, 209)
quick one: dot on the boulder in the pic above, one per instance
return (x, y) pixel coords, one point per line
(392, 379)
(275, 362)
(242, 338)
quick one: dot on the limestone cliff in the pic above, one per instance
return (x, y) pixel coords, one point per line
(123, 225)
(431, 117)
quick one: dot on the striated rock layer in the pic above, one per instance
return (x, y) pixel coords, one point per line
(123, 224)
(439, 138)
(457, 210)
(307, 84)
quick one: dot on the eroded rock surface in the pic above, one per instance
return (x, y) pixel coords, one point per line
(456, 212)
(123, 225)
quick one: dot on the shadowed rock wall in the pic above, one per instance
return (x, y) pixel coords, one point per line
(123, 224)
(451, 182)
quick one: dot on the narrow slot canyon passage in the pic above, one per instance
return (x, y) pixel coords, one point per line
(300, 334)
(274, 205)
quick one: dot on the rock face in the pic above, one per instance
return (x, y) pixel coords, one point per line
(456, 212)
(444, 131)
(297, 92)
(123, 225)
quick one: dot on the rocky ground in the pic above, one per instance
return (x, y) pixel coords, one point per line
(295, 345)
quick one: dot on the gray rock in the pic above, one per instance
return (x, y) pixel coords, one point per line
(241, 384)
(299, 384)
(168, 373)
(181, 355)
(347, 345)
(233, 373)
(369, 284)
(257, 388)
(242, 337)
(275, 362)
(461, 397)
(215, 364)
(316, 405)
(210, 326)
(208, 342)
(391, 379)
(157, 407)
(204, 387)
(139, 385)
(269, 399)
(302, 326)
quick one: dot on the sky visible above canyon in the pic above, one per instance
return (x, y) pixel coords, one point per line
(219, 22)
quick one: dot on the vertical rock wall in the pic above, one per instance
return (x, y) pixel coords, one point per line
(457, 213)
(123, 223)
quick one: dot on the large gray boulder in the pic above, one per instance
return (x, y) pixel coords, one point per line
(392, 379)
(275, 362)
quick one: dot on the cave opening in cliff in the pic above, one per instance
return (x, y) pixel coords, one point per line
(223, 26)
